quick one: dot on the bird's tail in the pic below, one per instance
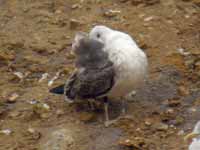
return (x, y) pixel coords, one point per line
(57, 90)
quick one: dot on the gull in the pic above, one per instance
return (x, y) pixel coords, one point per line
(195, 136)
(94, 74)
(109, 65)
(129, 61)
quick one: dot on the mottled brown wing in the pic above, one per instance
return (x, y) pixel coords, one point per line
(90, 83)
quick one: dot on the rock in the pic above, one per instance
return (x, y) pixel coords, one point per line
(44, 76)
(60, 112)
(41, 109)
(111, 13)
(67, 70)
(33, 134)
(181, 132)
(161, 127)
(170, 111)
(179, 120)
(19, 75)
(148, 123)
(149, 18)
(173, 102)
(6, 56)
(183, 91)
(6, 131)
(61, 139)
(183, 52)
(12, 98)
(70, 56)
(86, 116)
(50, 83)
(76, 6)
(133, 143)
(74, 23)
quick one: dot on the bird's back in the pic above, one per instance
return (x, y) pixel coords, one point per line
(90, 82)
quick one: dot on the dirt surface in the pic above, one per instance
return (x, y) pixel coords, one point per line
(35, 40)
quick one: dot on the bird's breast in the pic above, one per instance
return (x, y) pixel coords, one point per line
(130, 69)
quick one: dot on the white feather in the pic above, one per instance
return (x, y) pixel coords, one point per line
(129, 60)
(195, 145)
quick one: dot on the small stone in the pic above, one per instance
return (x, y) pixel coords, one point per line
(32, 102)
(86, 116)
(34, 134)
(149, 18)
(148, 123)
(161, 127)
(67, 70)
(6, 131)
(173, 102)
(60, 112)
(74, 23)
(183, 52)
(58, 11)
(76, 6)
(42, 110)
(6, 56)
(44, 76)
(179, 120)
(13, 98)
(70, 56)
(170, 111)
(183, 91)
(111, 13)
(135, 143)
(181, 132)
(19, 75)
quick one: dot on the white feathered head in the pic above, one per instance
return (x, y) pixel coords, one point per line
(100, 33)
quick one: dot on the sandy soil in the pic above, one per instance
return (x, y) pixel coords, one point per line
(35, 38)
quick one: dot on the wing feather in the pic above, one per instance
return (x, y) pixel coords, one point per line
(90, 83)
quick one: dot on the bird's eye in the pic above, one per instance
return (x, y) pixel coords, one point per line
(98, 35)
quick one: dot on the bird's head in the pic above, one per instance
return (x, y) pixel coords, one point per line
(195, 133)
(100, 33)
(83, 45)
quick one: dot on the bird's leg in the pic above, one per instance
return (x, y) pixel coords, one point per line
(123, 110)
(106, 110)
(91, 104)
(107, 122)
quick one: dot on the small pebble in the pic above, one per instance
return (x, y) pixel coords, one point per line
(13, 98)
(6, 131)
(161, 127)
(112, 13)
(74, 23)
(44, 76)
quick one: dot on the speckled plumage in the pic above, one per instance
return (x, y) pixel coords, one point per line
(94, 74)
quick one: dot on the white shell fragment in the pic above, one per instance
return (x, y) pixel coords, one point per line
(44, 76)
(50, 83)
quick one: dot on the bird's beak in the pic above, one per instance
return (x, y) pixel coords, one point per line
(191, 136)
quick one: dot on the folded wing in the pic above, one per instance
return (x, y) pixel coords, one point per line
(90, 83)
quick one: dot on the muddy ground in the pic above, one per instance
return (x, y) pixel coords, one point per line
(35, 38)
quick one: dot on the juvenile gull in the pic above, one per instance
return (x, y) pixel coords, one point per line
(130, 62)
(94, 74)
(121, 70)
(195, 136)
